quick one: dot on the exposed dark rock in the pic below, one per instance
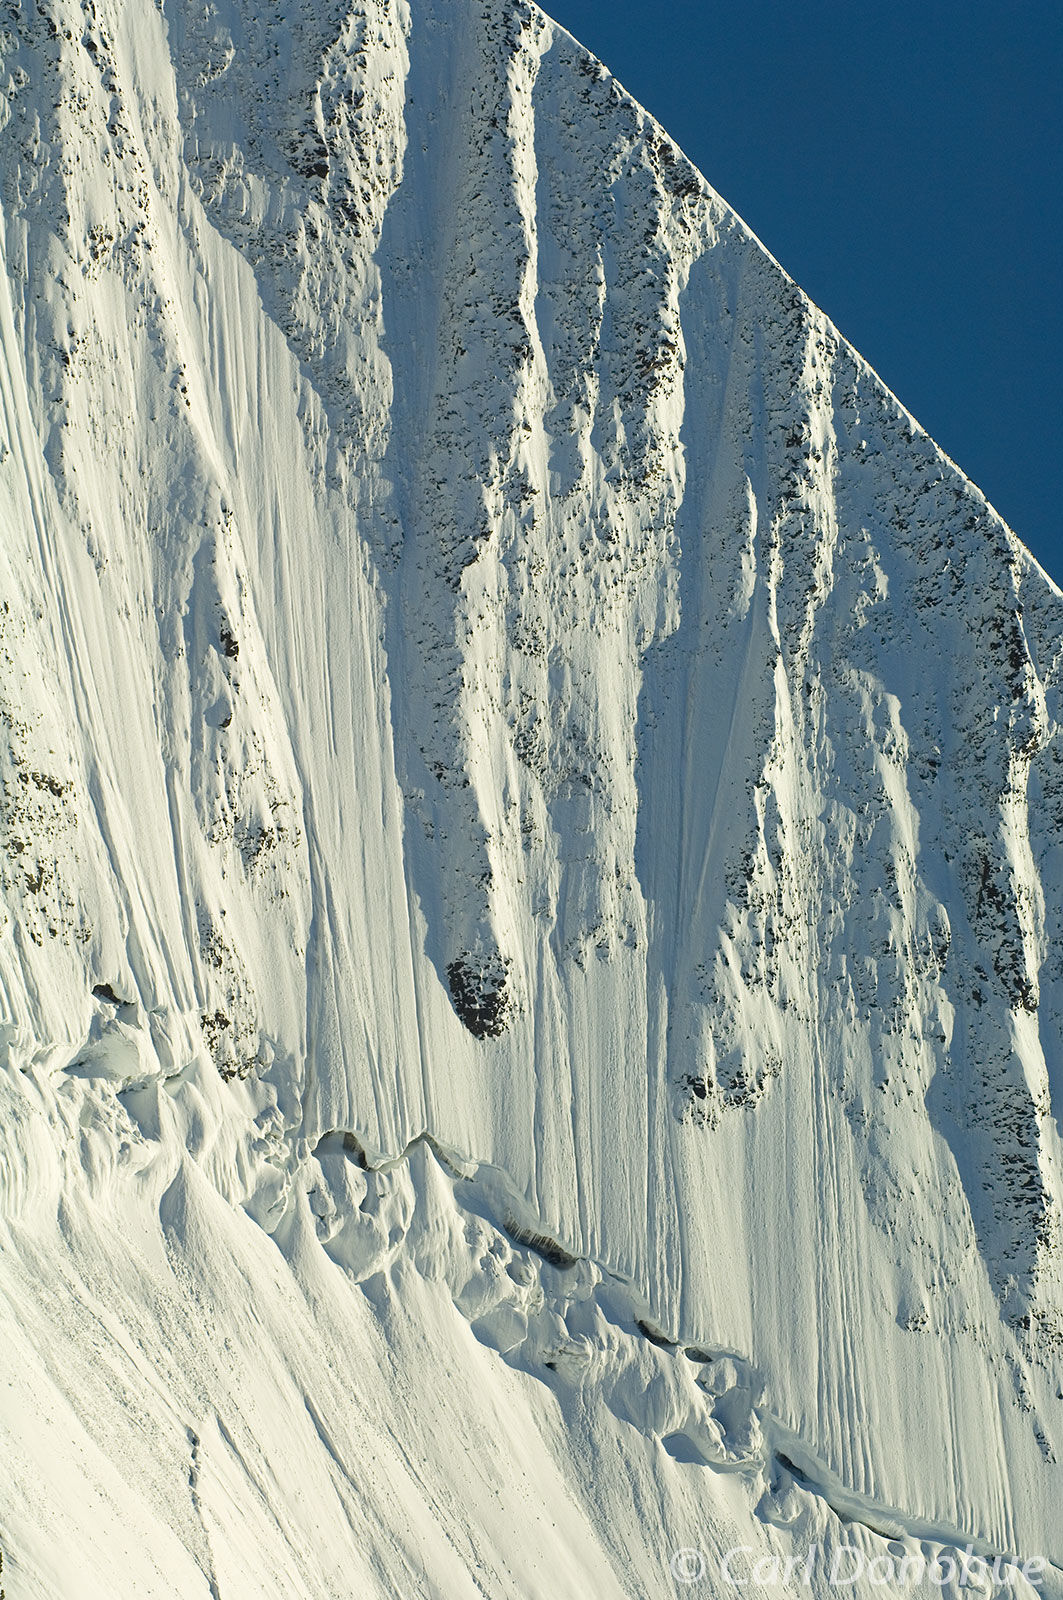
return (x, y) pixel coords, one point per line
(478, 989)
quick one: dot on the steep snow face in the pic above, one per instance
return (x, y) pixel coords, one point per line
(492, 683)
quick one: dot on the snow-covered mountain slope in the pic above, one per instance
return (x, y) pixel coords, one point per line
(532, 816)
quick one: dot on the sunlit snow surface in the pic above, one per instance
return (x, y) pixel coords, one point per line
(532, 844)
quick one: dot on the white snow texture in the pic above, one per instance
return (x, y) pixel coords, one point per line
(531, 806)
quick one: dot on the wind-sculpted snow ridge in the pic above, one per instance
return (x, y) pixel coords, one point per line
(480, 654)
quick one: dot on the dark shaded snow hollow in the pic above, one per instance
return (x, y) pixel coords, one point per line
(531, 808)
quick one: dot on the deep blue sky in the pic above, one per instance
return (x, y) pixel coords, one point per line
(904, 162)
